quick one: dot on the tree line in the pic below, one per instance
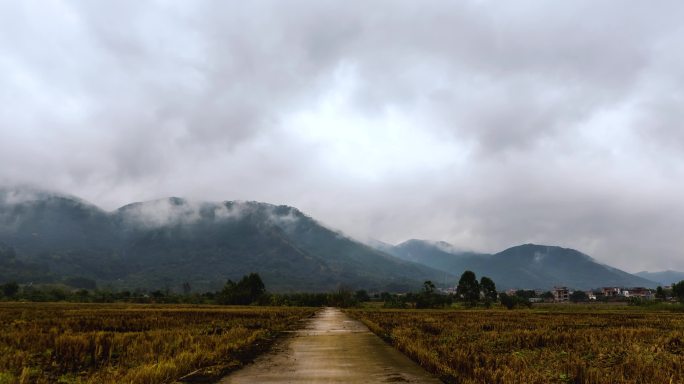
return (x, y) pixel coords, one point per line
(469, 292)
(251, 290)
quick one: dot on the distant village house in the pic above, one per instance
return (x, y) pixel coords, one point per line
(611, 291)
(639, 292)
(561, 294)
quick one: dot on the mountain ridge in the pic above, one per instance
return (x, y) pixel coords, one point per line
(526, 266)
(165, 242)
(666, 277)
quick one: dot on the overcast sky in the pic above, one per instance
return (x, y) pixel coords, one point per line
(484, 124)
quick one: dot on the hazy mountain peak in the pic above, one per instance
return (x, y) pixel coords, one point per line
(541, 252)
(440, 245)
(179, 211)
(13, 196)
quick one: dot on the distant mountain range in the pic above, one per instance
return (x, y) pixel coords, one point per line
(663, 278)
(50, 238)
(526, 266)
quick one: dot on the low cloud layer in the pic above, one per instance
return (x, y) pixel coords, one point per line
(478, 123)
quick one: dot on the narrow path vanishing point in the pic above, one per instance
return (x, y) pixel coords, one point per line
(332, 348)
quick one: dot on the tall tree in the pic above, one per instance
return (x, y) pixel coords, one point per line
(255, 285)
(678, 290)
(507, 301)
(488, 289)
(429, 298)
(248, 290)
(468, 288)
(429, 287)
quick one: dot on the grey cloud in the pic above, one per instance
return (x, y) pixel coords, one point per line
(176, 211)
(553, 123)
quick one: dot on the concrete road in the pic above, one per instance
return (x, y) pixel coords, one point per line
(332, 348)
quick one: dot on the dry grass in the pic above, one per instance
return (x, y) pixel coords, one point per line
(498, 346)
(114, 343)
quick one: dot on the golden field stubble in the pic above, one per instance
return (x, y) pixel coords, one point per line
(117, 343)
(536, 346)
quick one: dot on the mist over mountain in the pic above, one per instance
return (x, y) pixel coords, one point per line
(166, 242)
(526, 266)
